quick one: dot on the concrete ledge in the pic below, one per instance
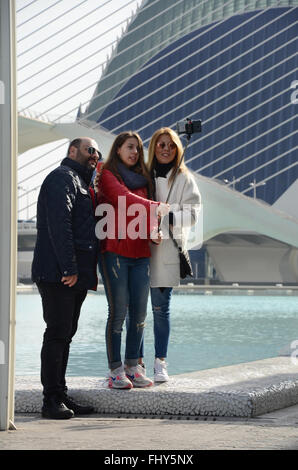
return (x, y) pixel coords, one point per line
(243, 390)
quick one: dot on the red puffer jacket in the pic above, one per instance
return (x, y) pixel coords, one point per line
(127, 218)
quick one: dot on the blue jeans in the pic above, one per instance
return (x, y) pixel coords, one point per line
(126, 282)
(160, 300)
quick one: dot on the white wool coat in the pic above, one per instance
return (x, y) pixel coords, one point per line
(185, 203)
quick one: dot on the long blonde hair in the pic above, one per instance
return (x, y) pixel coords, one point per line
(179, 152)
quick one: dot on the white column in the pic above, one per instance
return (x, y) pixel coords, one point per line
(8, 212)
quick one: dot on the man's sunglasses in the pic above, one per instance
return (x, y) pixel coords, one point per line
(93, 150)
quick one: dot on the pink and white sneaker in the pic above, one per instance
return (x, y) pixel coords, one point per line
(137, 376)
(118, 379)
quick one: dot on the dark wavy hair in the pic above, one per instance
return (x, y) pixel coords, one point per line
(113, 159)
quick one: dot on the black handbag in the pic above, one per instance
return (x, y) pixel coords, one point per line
(185, 264)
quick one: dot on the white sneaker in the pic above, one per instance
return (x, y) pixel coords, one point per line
(137, 376)
(160, 371)
(118, 379)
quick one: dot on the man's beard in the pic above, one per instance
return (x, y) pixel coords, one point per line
(86, 162)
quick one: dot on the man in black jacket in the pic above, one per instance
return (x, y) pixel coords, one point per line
(64, 267)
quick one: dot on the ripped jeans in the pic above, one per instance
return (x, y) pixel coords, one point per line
(126, 283)
(160, 300)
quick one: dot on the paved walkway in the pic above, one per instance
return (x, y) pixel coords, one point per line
(274, 431)
(246, 406)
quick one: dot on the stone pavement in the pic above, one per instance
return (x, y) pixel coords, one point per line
(273, 431)
(246, 406)
(241, 390)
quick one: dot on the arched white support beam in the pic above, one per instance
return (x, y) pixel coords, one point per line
(34, 132)
(226, 210)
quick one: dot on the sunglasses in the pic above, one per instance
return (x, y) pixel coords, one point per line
(162, 145)
(93, 150)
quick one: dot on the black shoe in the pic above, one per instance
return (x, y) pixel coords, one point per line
(77, 408)
(54, 408)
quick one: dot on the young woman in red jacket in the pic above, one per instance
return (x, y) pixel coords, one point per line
(128, 220)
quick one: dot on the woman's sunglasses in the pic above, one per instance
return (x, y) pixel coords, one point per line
(170, 145)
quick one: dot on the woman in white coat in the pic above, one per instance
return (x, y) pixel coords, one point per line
(164, 155)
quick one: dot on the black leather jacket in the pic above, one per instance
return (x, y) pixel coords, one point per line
(66, 243)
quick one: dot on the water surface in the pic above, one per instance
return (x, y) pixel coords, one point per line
(207, 331)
